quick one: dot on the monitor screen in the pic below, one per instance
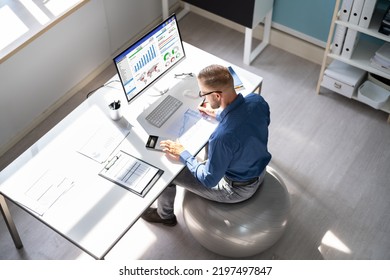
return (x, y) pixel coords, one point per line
(145, 61)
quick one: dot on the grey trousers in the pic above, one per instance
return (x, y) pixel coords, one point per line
(223, 192)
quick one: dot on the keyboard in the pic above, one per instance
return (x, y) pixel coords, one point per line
(163, 111)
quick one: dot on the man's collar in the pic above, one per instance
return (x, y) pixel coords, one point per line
(232, 106)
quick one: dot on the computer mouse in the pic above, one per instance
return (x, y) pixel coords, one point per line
(190, 93)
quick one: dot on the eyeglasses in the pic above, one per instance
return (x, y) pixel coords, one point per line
(201, 94)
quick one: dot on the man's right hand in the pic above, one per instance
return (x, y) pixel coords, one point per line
(206, 109)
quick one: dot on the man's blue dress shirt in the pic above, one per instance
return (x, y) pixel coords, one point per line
(238, 146)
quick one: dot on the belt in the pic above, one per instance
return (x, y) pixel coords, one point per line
(240, 183)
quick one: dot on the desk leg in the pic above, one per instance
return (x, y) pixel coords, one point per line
(165, 9)
(258, 88)
(249, 55)
(10, 223)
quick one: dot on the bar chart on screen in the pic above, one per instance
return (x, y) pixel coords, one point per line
(148, 56)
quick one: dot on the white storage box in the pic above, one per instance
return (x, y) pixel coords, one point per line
(380, 81)
(373, 95)
(343, 78)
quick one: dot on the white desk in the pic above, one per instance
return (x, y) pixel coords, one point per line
(95, 213)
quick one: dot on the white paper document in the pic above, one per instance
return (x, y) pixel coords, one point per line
(99, 136)
(45, 191)
(187, 129)
(178, 130)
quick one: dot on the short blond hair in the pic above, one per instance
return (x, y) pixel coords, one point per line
(216, 76)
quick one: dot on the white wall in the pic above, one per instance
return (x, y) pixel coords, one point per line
(127, 19)
(46, 70)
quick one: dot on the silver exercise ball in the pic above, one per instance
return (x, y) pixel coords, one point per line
(241, 229)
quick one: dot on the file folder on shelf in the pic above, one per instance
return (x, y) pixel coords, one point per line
(356, 11)
(350, 42)
(367, 12)
(338, 39)
(345, 11)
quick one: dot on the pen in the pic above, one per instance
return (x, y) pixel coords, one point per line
(203, 102)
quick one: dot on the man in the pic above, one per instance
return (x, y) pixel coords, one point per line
(237, 149)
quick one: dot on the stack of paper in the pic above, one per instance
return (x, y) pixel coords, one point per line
(381, 58)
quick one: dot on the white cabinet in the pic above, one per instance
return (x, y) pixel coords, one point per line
(363, 51)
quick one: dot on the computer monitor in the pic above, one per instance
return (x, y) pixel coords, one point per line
(148, 59)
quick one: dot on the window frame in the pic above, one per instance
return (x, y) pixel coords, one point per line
(26, 39)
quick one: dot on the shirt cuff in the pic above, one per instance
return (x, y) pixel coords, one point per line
(184, 156)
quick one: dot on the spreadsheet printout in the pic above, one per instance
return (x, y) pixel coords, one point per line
(131, 173)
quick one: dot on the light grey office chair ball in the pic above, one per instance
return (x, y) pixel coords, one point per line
(241, 229)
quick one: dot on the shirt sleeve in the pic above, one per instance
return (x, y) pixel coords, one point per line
(194, 166)
(189, 160)
(208, 173)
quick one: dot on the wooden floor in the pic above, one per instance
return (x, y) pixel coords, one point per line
(333, 154)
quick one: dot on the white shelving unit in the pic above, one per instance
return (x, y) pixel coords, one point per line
(363, 51)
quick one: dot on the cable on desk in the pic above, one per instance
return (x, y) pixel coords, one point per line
(106, 84)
